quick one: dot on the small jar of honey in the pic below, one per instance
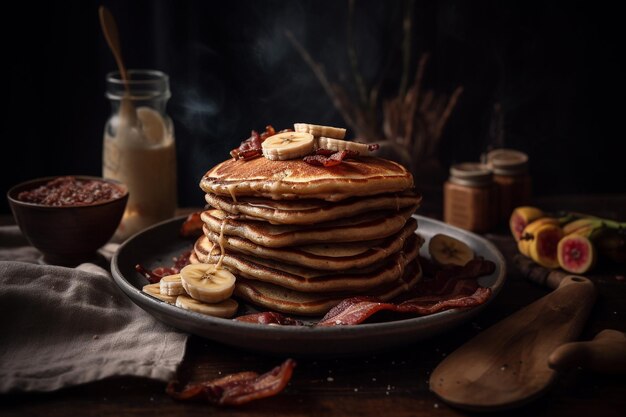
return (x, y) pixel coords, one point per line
(510, 174)
(470, 198)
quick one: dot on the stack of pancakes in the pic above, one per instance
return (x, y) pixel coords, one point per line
(301, 238)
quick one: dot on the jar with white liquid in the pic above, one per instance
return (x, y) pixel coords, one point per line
(139, 148)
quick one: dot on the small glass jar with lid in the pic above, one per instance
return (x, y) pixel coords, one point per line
(470, 198)
(510, 174)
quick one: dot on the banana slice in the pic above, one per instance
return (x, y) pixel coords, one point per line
(171, 285)
(288, 145)
(155, 291)
(446, 250)
(317, 130)
(152, 124)
(338, 145)
(225, 309)
(205, 282)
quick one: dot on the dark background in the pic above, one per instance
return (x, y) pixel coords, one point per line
(554, 67)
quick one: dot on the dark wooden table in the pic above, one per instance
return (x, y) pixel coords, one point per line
(392, 383)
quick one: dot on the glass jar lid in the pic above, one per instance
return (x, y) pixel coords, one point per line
(471, 174)
(507, 162)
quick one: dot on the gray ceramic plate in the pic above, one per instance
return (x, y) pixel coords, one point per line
(157, 245)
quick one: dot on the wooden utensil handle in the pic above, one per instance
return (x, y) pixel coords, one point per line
(537, 273)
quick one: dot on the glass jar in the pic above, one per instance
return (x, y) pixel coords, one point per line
(510, 173)
(139, 148)
(470, 198)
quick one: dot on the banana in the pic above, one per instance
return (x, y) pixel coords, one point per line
(205, 282)
(155, 291)
(225, 309)
(446, 250)
(288, 145)
(171, 285)
(589, 226)
(340, 145)
(317, 130)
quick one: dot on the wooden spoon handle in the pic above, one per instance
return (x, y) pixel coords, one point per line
(605, 353)
(111, 34)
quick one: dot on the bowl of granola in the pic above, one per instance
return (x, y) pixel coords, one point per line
(68, 218)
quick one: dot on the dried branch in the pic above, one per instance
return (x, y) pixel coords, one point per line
(318, 70)
(407, 27)
(354, 64)
(413, 120)
(415, 96)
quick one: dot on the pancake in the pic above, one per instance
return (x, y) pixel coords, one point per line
(366, 226)
(276, 298)
(295, 179)
(313, 280)
(307, 212)
(326, 256)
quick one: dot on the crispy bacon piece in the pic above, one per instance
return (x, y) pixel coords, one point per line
(251, 147)
(236, 389)
(155, 275)
(354, 310)
(270, 317)
(358, 309)
(181, 261)
(473, 269)
(464, 294)
(192, 226)
(321, 159)
(453, 287)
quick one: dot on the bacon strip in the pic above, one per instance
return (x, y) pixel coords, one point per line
(473, 269)
(269, 317)
(354, 310)
(452, 287)
(192, 226)
(237, 389)
(358, 309)
(251, 147)
(321, 159)
(153, 276)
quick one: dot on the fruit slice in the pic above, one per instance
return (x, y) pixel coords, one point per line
(576, 254)
(205, 282)
(152, 124)
(155, 291)
(288, 145)
(446, 250)
(528, 235)
(338, 145)
(171, 285)
(543, 247)
(522, 217)
(317, 130)
(225, 309)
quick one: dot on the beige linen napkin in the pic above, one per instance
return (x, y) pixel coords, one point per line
(67, 326)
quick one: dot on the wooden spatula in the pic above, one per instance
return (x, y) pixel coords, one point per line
(507, 364)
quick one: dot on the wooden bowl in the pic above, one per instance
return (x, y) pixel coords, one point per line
(67, 235)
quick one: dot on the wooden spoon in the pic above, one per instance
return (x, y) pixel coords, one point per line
(128, 115)
(507, 364)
